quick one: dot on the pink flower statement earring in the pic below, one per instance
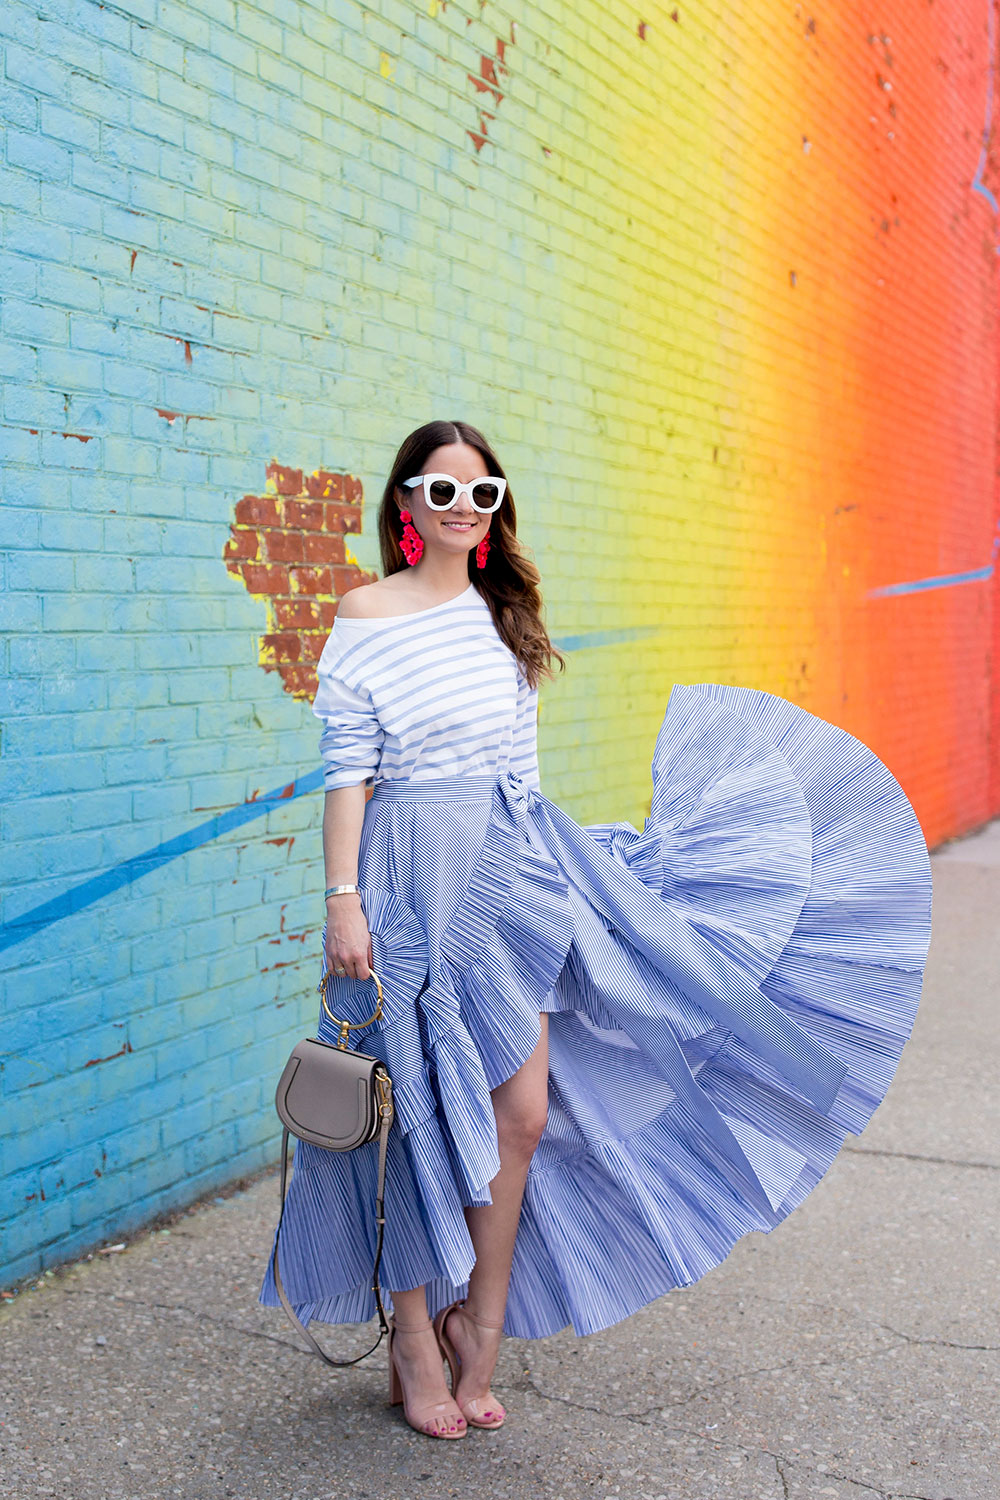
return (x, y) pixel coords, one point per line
(482, 551)
(411, 541)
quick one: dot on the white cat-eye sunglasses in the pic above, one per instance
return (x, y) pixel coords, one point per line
(441, 491)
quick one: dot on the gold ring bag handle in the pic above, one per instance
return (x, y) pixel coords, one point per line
(346, 1027)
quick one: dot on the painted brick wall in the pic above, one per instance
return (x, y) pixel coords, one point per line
(719, 284)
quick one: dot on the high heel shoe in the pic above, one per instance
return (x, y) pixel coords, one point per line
(479, 1411)
(420, 1418)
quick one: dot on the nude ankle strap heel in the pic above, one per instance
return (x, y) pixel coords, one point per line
(473, 1408)
(419, 1417)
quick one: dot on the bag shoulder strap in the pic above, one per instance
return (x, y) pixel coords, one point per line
(386, 1114)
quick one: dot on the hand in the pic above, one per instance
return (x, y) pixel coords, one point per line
(348, 941)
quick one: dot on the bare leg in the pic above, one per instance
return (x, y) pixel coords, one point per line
(421, 1372)
(521, 1106)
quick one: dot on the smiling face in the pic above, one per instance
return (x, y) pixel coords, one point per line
(462, 527)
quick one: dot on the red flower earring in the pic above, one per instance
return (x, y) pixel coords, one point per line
(482, 551)
(411, 541)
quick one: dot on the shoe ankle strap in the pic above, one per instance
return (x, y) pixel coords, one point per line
(497, 1327)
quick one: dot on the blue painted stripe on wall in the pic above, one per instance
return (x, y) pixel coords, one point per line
(604, 637)
(98, 886)
(943, 581)
(109, 881)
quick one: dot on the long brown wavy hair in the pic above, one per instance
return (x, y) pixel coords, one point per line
(509, 582)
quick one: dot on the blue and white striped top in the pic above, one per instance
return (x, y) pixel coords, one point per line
(435, 692)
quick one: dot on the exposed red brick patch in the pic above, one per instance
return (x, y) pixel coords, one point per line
(488, 82)
(289, 550)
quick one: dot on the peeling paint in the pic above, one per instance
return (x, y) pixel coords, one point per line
(288, 547)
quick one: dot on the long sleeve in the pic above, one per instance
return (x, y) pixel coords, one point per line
(351, 739)
(524, 752)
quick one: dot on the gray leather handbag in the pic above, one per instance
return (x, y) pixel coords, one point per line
(333, 1097)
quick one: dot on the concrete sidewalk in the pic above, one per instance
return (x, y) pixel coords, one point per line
(851, 1352)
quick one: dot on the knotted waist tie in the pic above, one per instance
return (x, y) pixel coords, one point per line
(520, 798)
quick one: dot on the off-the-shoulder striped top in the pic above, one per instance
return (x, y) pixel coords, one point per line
(435, 692)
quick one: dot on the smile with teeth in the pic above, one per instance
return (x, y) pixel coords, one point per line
(461, 525)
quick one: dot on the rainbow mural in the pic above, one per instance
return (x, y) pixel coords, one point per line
(719, 283)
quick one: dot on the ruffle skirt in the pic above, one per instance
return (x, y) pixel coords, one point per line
(729, 991)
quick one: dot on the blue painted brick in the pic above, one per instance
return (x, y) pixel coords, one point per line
(104, 653)
(40, 818)
(18, 447)
(41, 571)
(44, 242)
(71, 533)
(67, 612)
(69, 287)
(18, 275)
(71, 126)
(126, 1147)
(41, 74)
(19, 527)
(104, 573)
(59, 366)
(74, 692)
(38, 155)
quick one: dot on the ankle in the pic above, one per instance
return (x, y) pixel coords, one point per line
(491, 1323)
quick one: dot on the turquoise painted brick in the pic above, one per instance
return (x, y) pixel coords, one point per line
(104, 574)
(34, 71)
(71, 126)
(181, 1124)
(104, 652)
(18, 447)
(69, 287)
(73, 1170)
(20, 21)
(59, 366)
(70, 533)
(126, 1147)
(70, 854)
(183, 977)
(19, 697)
(18, 274)
(26, 818)
(66, 689)
(40, 571)
(20, 1190)
(68, 613)
(38, 155)
(144, 766)
(19, 107)
(67, 450)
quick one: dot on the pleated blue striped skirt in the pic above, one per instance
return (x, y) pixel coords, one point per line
(728, 990)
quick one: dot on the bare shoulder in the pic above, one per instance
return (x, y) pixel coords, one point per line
(370, 600)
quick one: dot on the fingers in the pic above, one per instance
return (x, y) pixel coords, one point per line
(353, 965)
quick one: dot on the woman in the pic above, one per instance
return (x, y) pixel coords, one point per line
(613, 1053)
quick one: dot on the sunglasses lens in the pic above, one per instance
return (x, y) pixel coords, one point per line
(442, 492)
(485, 495)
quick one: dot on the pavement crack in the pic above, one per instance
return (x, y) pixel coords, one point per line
(597, 1411)
(935, 1341)
(939, 1161)
(874, 1488)
(200, 1316)
(778, 1464)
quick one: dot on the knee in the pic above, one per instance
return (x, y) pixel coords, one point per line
(519, 1131)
